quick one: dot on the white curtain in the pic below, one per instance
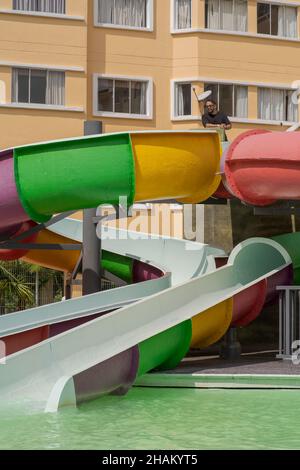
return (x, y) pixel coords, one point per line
(106, 11)
(278, 102)
(139, 13)
(25, 5)
(281, 28)
(241, 101)
(290, 22)
(143, 104)
(183, 14)
(138, 98)
(47, 6)
(264, 103)
(230, 15)
(287, 21)
(55, 93)
(179, 101)
(130, 13)
(292, 109)
(276, 105)
(226, 15)
(183, 99)
(15, 75)
(240, 15)
(213, 14)
(52, 6)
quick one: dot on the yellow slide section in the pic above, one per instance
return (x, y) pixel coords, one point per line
(54, 259)
(182, 166)
(209, 326)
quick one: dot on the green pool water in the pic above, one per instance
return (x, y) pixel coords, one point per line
(163, 419)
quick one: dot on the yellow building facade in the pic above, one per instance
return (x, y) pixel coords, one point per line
(139, 64)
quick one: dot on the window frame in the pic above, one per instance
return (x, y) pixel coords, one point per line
(149, 19)
(149, 97)
(175, 100)
(32, 104)
(202, 80)
(234, 85)
(237, 31)
(270, 3)
(173, 18)
(287, 90)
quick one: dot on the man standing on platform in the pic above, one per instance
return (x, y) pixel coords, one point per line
(215, 119)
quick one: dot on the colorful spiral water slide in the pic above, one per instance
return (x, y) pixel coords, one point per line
(77, 353)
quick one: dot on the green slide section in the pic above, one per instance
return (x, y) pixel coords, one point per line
(291, 242)
(165, 350)
(118, 265)
(72, 175)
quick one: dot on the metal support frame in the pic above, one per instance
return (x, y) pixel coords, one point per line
(91, 258)
(40, 246)
(40, 227)
(71, 277)
(289, 320)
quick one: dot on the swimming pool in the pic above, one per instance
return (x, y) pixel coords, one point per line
(150, 418)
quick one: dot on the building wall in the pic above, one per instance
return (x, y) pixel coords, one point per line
(115, 51)
(43, 42)
(75, 44)
(247, 58)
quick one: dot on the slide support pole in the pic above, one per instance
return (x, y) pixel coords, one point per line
(230, 348)
(91, 272)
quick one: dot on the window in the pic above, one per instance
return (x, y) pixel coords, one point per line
(120, 96)
(125, 13)
(231, 99)
(277, 20)
(276, 105)
(231, 15)
(183, 14)
(183, 99)
(37, 86)
(46, 6)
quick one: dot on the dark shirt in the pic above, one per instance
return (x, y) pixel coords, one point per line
(219, 118)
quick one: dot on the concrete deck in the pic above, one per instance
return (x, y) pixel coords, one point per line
(251, 371)
(256, 363)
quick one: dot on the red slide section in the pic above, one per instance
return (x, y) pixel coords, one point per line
(263, 167)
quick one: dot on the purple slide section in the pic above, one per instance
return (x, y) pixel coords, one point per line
(12, 214)
(144, 272)
(116, 375)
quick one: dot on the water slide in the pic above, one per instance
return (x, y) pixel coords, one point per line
(180, 295)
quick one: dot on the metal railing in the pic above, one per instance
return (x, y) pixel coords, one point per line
(289, 320)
